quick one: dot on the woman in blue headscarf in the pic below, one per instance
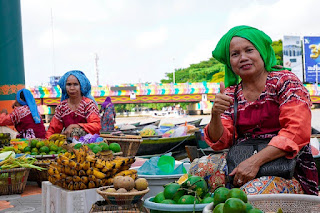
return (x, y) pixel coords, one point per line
(25, 116)
(77, 114)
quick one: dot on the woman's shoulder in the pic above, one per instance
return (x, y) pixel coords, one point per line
(88, 102)
(283, 74)
(62, 104)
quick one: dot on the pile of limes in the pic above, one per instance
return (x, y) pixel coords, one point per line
(232, 201)
(98, 147)
(38, 147)
(193, 190)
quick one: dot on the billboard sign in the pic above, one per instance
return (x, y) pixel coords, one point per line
(292, 55)
(311, 58)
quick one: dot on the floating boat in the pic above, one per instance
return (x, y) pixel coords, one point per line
(159, 145)
(155, 123)
(195, 123)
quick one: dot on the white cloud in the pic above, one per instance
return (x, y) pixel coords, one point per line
(152, 39)
(201, 52)
(60, 39)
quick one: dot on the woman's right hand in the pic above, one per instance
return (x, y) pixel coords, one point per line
(221, 102)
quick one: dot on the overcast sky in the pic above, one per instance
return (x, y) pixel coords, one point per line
(141, 40)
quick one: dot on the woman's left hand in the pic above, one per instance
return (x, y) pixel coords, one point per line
(244, 172)
(69, 129)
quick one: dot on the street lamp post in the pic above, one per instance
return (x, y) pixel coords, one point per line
(174, 72)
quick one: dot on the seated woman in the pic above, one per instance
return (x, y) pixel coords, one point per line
(109, 115)
(77, 114)
(272, 103)
(25, 116)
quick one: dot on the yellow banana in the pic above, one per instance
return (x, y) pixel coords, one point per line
(98, 182)
(83, 186)
(69, 179)
(82, 173)
(71, 186)
(76, 178)
(85, 165)
(92, 178)
(84, 179)
(91, 184)
(99, 174)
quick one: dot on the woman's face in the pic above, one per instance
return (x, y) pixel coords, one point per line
(245, 59)
(73, 87)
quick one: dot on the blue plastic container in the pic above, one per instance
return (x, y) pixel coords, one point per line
(163, 208)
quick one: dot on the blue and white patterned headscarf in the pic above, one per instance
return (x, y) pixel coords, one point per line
(31, 104)
(85, 85)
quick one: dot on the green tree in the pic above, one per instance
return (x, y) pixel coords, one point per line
(211, 70)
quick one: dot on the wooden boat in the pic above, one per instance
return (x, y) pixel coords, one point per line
(155, 123)
(195, 123)
(156, 145)
(136, 124)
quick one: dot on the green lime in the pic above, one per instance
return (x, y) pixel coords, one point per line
(34, 150)
(187, 199)
(27, 149)
(220, 195)
(115, 147)
(238, 193)
(207, 200)
(254, 210)
(33, 143)
(159, 197)
(43, 153)
(96, 149)
(54, 148)
(218, 208)
(34, 153)
(40, 144)
(178, 195)
(248, 207)
(104, 146)
(77, 146)
(44, 149)
(52, 153)
(234, 205)
(168, 201)
(170, 190)
(63, 150)
(198, 184)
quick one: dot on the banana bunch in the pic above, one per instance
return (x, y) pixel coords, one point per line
(82, 169)
(56, 136)
(130, 172)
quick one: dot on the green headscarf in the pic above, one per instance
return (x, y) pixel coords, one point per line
(259, 39)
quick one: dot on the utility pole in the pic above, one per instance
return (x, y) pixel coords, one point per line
(174, 71)
(96, 58)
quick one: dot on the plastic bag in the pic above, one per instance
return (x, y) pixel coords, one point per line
(180, 131)
(164, 165)
(148, 131)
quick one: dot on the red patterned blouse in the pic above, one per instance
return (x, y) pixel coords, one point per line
(87, 116)
(283, 113)
(22, 120)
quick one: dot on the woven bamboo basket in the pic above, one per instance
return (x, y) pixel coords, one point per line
(129, 143)
(103, 206)
(13, 181)
(128, 198)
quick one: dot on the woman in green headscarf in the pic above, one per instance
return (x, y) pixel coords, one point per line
(272, 103)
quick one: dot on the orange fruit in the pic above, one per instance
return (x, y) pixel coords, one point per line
(183, 179)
